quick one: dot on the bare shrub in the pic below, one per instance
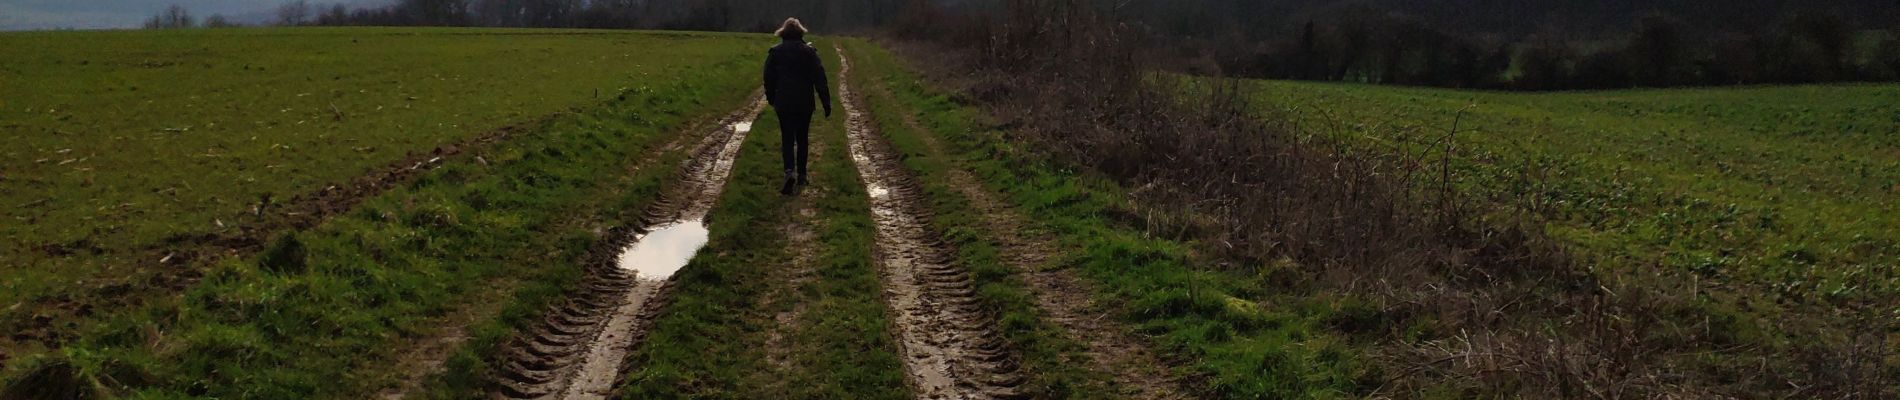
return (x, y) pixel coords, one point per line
(1512, 313)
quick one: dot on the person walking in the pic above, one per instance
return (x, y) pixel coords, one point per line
(793, 72)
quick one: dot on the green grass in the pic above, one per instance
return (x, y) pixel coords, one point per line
(321, 312)
(1054, 364)
(700, 346)
(1233, 333)
(1784, 190)
(213, 121)
(710, 342)
(842, 346)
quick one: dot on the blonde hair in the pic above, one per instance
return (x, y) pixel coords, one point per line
(792, 29)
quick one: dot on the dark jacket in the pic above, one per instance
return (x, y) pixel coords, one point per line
(793, 72)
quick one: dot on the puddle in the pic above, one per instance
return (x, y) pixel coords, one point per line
(662, 252)
(578, 355)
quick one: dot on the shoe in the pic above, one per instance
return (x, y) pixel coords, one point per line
(790, 183)
(802, 181)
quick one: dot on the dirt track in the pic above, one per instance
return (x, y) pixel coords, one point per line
(950, 347)
(577, 350)
(1111, 347)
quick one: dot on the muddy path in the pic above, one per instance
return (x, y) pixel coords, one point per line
(425, 357)
(578, 349)
(1112, 348)
(950, 346)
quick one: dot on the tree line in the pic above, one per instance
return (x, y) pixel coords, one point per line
(708, 15)
(177, 17)
(1521, 45)
(1528, 44)
(1659, 50)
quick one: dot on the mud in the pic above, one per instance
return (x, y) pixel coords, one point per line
(1112, 348)
(427, 355)
(578, 350)
(950, 347)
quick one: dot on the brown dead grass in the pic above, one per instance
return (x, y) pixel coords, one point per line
(1504, 310)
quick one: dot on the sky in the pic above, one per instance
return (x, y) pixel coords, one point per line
(107, 14)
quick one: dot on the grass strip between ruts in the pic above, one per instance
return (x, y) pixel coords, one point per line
(709, 341)
(1233, 332)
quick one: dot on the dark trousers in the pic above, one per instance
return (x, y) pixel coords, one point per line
(794, 128)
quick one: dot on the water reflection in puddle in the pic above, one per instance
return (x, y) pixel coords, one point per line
(665, 250)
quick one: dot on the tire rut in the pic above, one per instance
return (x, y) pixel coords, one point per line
(950, 346)
(1111, 349)
(425, 357)
(579, 348)
(1136, 370)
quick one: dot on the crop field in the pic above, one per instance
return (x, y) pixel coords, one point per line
(582, 214)
(137, 161)
(217, 123)
(1788, 190)
(340, 218)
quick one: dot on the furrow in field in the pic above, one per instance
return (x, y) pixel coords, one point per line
(578, 349)
(950, 345)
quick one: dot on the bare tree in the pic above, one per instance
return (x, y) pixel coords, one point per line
(336, 15)
(294, 13)
(219, 21)
(174, 17)
(436, 12)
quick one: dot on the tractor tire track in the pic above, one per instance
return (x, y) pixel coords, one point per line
(949, 344)
(579, 348)
(425, 357)
(1111, 347)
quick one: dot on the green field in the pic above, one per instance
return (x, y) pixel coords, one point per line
(1784, 190)
(125, 147)
(120, 142)
(214, 121)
